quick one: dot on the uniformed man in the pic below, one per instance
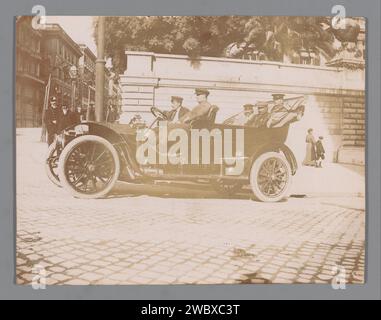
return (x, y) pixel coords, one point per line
(278, 111)
(282, 113)
(245, 118)
(52, 120)
(200, 111)
(177, 110)
(262, 117)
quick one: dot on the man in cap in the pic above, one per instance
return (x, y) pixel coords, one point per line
(200, 111)
(52, 120)
(281, 115)
(245, 118)
(278, 110)
(262, 117)
(177, 111)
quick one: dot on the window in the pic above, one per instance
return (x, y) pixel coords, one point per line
(32, 69)
(308, 57)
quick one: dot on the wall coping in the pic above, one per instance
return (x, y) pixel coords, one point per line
(240, 61)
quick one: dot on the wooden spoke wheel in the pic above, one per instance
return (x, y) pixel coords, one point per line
(89, 167)
(51, 164)
(270, 177)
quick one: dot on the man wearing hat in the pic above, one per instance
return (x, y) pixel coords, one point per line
(281, 115)
(278, 111)
(52, 119)
(177, 111)
(245, 118)
(201, 110)
(65, 118)
(262, 117)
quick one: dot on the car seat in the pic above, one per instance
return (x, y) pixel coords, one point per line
(211, 117)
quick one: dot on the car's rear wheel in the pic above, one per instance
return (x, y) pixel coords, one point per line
(270, 177)
(51, 164)
(89, 167)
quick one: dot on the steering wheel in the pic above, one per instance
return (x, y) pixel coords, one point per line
(158, 114)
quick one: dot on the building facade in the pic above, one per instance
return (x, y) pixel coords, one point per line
(61, 53)
(87, 77)
(30, 81)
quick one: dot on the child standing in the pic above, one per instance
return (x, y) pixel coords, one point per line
(319, 152)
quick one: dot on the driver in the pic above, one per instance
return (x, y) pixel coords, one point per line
(201, 110)
(177, 111)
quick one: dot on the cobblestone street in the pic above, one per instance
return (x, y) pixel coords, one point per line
(129, 238)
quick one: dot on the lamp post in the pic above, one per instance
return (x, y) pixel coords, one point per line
(100, 71)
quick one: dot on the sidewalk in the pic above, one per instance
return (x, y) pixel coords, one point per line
(333, 180)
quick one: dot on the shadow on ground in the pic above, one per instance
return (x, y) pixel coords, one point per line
(174, 190)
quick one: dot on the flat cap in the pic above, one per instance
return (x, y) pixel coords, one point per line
(248, 106)
(199, 92)
(53, 98)
(277, 96)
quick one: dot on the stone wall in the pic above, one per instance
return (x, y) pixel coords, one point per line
(335, 96)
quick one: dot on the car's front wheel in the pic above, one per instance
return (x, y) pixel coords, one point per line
(51, 164)
(270, 177)
(89, 167)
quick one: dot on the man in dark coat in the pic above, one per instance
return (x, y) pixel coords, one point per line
(65, 118)
(52, 120)
(177, 111)
(200, 111)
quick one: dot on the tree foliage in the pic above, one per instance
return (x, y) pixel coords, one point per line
(275, 37)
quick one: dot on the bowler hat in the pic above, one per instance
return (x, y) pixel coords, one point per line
(177, 98)
(277, 96)
(200, 92)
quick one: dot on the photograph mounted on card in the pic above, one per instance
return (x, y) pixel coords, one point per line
(190, 150)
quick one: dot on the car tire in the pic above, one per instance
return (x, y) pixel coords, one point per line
(270, 177)
(51, 165)
(88, 158)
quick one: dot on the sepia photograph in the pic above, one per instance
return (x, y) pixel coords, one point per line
(172, 150)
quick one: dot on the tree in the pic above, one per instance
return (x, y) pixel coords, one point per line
(277, 37)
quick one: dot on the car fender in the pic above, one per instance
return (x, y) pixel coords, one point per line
(277, 148)
(104, 131)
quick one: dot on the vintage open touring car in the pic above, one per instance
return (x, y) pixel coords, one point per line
(89, 158)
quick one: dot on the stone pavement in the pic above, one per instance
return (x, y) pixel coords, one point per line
(174, 234)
